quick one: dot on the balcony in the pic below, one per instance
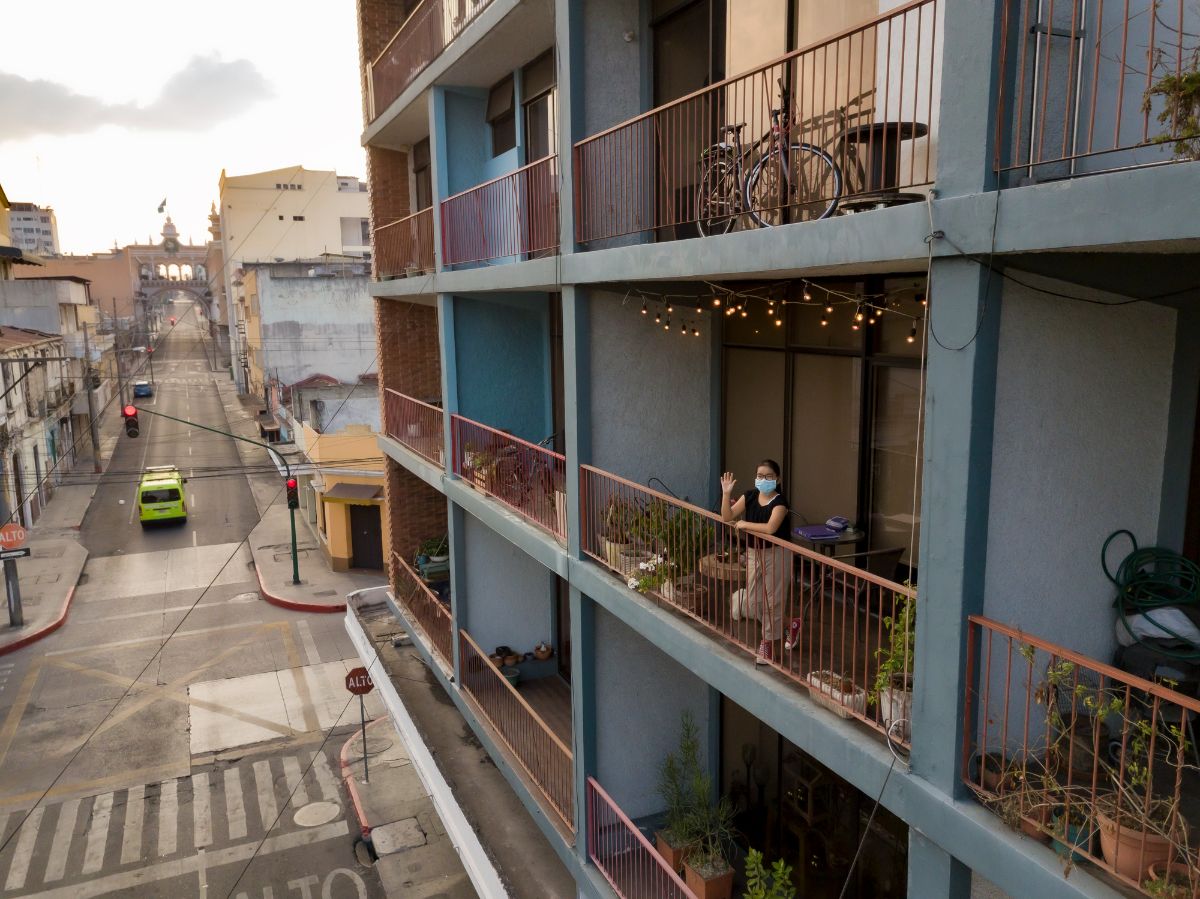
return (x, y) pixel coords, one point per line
(420, 40)
(1099, 763)
(425, 608)
(632, 867)
(844, 634)
(414, 424)
(508, 218)
(1094, 87)
(527, 478)
(542, 753)
(405, 247)
(858, 111)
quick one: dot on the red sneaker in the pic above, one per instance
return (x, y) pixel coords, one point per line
(765, 653)
(792, 640)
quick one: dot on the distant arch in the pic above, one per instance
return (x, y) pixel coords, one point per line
(173, 272)
(185, 272)
(162, 271)
(201, 273)
(146, 272)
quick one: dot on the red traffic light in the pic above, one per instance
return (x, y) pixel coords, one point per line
(172, 319)
(291, 483)
(130, 411)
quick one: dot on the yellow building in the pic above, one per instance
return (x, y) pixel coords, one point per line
(348, 499)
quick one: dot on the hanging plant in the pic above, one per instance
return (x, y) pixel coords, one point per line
(1179, 90)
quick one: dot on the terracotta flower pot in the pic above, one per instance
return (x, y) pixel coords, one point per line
(719, 886)
(1122, 846)
(1179, 878)
(672, 855)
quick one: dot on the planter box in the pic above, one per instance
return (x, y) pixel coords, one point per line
(719, 887)
(842, 703)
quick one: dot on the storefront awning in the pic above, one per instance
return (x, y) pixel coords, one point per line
(353, 493)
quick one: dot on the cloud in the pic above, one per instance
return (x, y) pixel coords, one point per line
(204, 92)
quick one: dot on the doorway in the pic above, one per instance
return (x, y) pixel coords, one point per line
(366, 537)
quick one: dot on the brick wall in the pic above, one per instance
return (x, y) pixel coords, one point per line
(378, 22)
(387, 174)
(409, 356)
(416, 511)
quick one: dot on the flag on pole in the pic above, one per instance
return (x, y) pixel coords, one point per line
(163, 205)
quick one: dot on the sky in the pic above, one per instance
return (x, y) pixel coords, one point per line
(105, 109)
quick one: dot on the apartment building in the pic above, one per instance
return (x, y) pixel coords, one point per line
(34, 229)
(282, 215)
(936, 259)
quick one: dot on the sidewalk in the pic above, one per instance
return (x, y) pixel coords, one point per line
(416, 859)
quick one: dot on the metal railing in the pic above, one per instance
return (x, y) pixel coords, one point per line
(867, 98)
(423, 605)
(1091, 87)
(405, 246)
(419, 41)
(528, 478)
(415, 424)
(1074, 752)
(624, 856)
(844, 633)
(546, 759)
(513, 216)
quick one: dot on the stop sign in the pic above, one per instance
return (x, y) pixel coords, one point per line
(359, 682)
(12, 536)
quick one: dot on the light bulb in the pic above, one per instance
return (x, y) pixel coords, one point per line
(829, 310)
(657, 318)
(716, 301)
(854, 327)
(695, 332)
(824, 321)
(871, 320)
(912, 335)
(730, 310)
(670, 308)
(807, 295)
(644, 312)
(778, 322)
(922, 299)
(744, 313)
(771, 301)
(667, 326)
(858, 314)
(682, 328)
(699, 308)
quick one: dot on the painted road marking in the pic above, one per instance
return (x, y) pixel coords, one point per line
(325, 778)
(309, 644)
(201, 811)
(56, 867)
(131, 842)
(235, 810)
(98, 835)
(168, 813)
(295, 783)
(264, 784)
(24, 850)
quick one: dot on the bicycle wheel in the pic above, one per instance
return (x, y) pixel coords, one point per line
(718, 196)
(809, 191)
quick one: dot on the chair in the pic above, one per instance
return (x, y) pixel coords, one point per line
(879, 562)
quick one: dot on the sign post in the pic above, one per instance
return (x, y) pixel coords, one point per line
(359, 682)
(12, 537)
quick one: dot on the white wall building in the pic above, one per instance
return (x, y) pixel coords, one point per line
(34, 229)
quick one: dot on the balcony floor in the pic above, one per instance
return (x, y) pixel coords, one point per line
(550, 697)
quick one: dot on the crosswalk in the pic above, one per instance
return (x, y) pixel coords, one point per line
(82, 838)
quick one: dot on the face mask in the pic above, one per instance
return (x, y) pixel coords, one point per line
(765, 486)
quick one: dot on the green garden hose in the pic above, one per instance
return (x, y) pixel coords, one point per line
(1149, 578)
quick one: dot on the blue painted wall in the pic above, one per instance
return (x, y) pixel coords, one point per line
(466, 154)
(503, 362)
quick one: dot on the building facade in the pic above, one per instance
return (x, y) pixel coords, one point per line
(931, 257)
(284, 215)
(34, 229)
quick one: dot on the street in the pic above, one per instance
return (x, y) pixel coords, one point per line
(185, 733)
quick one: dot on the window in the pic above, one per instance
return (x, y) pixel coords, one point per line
(166, 495)
(540, 96)
(422, 174)
(365, 229)
(502, 117)
(297, 218)
(281, 218)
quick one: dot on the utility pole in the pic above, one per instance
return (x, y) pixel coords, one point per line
(12, 581)
(91, 400)
(117, 355)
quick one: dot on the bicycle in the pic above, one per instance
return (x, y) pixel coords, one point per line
(797, 180)
(526, 480)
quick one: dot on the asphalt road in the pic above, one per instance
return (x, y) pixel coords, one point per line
(172, 738)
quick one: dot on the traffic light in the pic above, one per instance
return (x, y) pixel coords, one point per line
(172, 319)
(293, 494)
(131, 420)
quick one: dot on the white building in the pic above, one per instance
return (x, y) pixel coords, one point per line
(34, 229)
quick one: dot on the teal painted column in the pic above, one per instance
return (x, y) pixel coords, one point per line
(439, 166)
(583, 707)
(959, 412)
(568, 43)
(454, 514)
(576, 405)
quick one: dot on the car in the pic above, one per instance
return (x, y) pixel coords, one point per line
(143, 388)
(161, 495)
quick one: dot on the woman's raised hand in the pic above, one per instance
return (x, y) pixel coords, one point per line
(727, 483)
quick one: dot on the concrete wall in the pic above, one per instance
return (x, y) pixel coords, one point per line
(652, 402)
(503, 359)
(508, 595)
(468, 148)
(37, 304)
(614, 86)
(640, 695)
(1082, 406)
(316, 326)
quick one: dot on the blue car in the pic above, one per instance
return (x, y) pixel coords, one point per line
(143, 388)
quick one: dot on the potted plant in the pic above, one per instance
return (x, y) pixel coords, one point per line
(1074, 829)
(706, 869)
(1179, 90)
(681, 537)
(677, 778)
(616, 534)
(435, 549)
(1172, 880)
(837, 693)
(762, 883)
(892, 688)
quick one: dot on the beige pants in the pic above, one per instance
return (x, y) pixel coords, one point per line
(766, 566)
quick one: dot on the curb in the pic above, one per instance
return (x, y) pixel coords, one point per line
(44, 632)
(294, 605)
(351, 785)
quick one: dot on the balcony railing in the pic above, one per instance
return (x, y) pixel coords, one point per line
(404, 247)
(420, 40)
(866, 99)
(1098, 762)
(513, 216)
(426, 609)
(544, 757)
(524, 476)
(624, 856)
(1090, 87)
(415, 424)
(845, 634)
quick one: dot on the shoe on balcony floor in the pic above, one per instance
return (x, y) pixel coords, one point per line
(792, 640)
(766, 654)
